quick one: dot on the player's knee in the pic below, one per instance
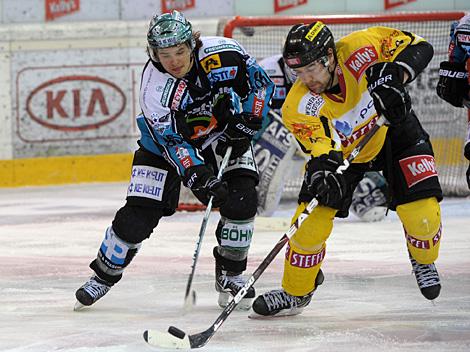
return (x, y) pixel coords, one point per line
(315, 229)
(421, 218)
(242, 201)
(134, 223)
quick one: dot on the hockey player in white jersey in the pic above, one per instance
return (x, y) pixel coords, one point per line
(199, 96)
(454, 74)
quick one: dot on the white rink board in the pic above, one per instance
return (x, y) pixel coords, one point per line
(369, 301)
(72, 89)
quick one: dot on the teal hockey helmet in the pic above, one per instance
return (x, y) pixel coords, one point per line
(169, 29)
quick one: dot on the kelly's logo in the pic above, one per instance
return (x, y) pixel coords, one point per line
(390, 4)
(59, 8)
(360, 60)
(418, 168)
(179, 5)
(282, 5)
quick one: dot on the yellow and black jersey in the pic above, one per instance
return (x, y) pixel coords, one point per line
(324, 122)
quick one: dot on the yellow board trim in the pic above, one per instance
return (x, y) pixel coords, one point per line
(65, 169)
(117, 167)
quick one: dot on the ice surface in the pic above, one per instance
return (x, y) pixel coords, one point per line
(368, 302)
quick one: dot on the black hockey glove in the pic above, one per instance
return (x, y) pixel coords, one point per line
(453, 83)
(322, 181)
(202, 182)
(240, 131)
(385, 85)
(240, 128)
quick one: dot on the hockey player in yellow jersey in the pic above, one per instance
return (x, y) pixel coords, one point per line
(340, 92)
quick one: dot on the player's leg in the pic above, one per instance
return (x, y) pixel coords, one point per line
(152, 193)
(235, 229)
(416, 193)
(422, 223)
(305, 253)
(303, 258)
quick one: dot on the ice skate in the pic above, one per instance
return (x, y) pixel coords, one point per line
(278, 303)
(90, 292)
(228, 285)
(427, 278)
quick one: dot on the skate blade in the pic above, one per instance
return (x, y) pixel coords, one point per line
(78, 307)
(282, 314)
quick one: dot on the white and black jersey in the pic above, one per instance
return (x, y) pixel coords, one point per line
(177, 120)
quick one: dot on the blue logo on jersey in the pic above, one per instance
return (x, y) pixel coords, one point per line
(222, 74)
(343, 127)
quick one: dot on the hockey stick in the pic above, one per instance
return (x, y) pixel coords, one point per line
(178, 339)
(190, 295)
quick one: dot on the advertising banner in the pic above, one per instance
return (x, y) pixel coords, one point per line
(180, 5)
(282, 5)
(193, 9)
(390, 4)
(59, 8)
(85, 107)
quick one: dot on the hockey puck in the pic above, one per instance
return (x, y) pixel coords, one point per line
(193, 295)
(176, 332)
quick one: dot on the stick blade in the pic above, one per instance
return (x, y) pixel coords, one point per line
(166, 340)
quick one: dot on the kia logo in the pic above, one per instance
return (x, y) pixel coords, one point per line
(75, 103)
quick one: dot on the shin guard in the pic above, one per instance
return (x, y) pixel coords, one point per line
(113, 256)
(306, 250)
(422, 223)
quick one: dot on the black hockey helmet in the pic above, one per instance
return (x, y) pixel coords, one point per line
(307, 43)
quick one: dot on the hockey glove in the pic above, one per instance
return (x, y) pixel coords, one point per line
(240, 128)
(385, 85)
(202, 182)
(239, 132)
(322, 181)
(453, 84)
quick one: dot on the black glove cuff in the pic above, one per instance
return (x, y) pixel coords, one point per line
(196, 177)
(327, 162)
(243, 125)
(389, 73)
